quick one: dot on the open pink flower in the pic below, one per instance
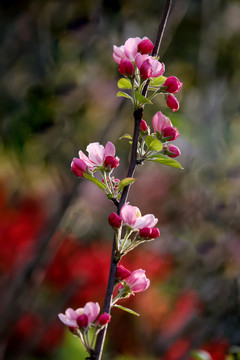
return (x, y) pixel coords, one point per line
(97, 154)
(130, 49)
(131, 216)
(137, 281)
(91, 310)
(163, 125)
(149, 66)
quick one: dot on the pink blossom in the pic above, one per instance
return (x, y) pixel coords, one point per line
(78, 167)
(118, 53)
(103, 319)
(131, 216)
(148, 66)
(114, 220)
(163, 125)
(126, 67)
(71, 317)
(122, 273)
(97, 154)
(137, 281)
(127, 51)
(172, 84)
(148, 233)
(111, 162)
(172, 102)
(143, 125)
(145, 46)
(172, 151)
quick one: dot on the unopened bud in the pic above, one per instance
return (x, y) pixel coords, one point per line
(103, 319)
(145, 46)
(122, 273)
(82, 321)
(114, 220)
(111, 162)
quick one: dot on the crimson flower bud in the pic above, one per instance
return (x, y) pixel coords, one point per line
(145, 46)
(172, 84)
(78, 167)
(155, 233)
(122, 273)
(173, 151)
(146, 69)
(145, 233)
(172, 102)
(103, 319)
(111, 162)
(126, 67)
(143, 125)
(114, 220)
(171, 133)
(82, 321)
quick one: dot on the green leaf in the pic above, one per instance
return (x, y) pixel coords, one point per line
(125, 182)
(158, 81)
(124, 84)
(201, 355)
(127, 310)
(126, 136)
(153, 143)
(97, 182)
(123, 94)
(141, 99)
(163, 159)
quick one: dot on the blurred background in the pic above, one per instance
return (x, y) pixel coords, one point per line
(58, 93)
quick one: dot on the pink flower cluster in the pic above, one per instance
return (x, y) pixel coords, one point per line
(135, 52)
(83, 318)
(165, 131)
(135, 281)
(98, 157)
(131, 216)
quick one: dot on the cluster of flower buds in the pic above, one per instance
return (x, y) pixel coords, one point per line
(81, 320)
(138, 228)
(135, 61)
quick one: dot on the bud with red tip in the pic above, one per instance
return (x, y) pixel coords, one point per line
(126, 67)
(82, 321)
(145, 46)
(171, 133)
(173, 85)
(78, 167)
(172, 102)
(103, 319)
(143, 126)
(149, 233)
(111, 162)
(122, 273)
(114, 220)
(155, 233)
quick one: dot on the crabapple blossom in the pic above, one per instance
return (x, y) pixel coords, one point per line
(164, 127)
(130, 49)
(145, 46)
(172, 151)
(126, 67)
(72, 317)
(137, 281)
(172, 102)
(122, 272)
(103, 319)
(143, 125)
(149, 233)
(114, 220)
(173, 85)
(78, 167)
(111, 162)
(97, 154)
(131, 216)
(149, 66)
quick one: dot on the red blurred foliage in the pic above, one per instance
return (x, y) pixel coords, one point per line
(178, 350)
(217, 348)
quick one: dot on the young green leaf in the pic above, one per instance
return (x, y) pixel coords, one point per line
(125, 182)
(126, 136)
(124, 84)
(158, 81)
(123, 94)
(163, 159)
(153, 143)
(97, 182)
(141, 99)
(127, 310)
